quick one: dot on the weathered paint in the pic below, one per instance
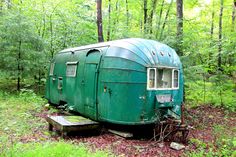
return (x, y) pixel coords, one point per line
(111, 81)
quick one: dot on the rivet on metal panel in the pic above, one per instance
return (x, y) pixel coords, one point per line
(142, 97)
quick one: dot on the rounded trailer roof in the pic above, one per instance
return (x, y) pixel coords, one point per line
(149, 53)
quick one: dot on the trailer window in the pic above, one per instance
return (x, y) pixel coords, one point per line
(51, 69)
(176, 79)
(151, 78)
(71, 69)
(162, 78)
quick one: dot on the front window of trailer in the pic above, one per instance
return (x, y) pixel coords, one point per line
(162, 78)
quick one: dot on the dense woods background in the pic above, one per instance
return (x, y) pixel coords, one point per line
(203, 33)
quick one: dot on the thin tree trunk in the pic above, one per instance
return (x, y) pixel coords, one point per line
(1, 5)
(39, 80)
(44, 21)
(115, 21)
(233, 15)
(166, 17)
(19, 66)
(154, 4)
(99, 21)
(51, 36)
(127, 13)
(212, 33)
(179, 6)
(51, 31)
(212, 20)
(159, 21)
(145, 15)
(8, 3)
(117, 11)
(220, 35)
(141, 24)
(109, 21)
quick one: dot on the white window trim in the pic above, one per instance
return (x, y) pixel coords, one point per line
(71, 63)
(155, 81)
(174, 78)
(51, 70)
(155, 85)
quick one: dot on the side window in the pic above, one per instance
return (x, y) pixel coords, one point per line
(151, 78)
(175, 78)
(51, 69)
(71, 68)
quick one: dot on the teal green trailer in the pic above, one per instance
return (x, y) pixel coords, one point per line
(129, 81)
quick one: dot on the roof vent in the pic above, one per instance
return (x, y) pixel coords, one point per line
(153, 53)
(162, 53)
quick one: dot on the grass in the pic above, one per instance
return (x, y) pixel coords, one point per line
(17, 112)
(51, 149)
(222, 95)
(24, 133)
(223, 142)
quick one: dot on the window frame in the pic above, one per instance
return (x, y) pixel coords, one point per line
(155, 78)
(52, 67)
(72, 63)
(172, 78)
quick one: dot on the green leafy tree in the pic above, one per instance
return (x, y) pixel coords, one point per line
(19, 45)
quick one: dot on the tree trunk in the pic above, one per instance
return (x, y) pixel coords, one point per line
(99, 21)
(166, 17)
(154, 4)
(145, 15)
(109, 21)
(39, 80)
(44, 21)
(19, 66)
(8, 3)
(116, 20)
(212, 20)
(179, 7)
(233, 15)
(141, 24)
(212, 33)
(159, 21)
(1, 5)
(220, 35)
(51, 36)
(127, 13)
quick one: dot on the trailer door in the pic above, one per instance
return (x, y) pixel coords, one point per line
(53, 84)
(90, 83)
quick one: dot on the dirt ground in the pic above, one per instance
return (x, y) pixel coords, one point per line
(207, 124)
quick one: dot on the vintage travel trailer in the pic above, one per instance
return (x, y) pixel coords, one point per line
(129, 81)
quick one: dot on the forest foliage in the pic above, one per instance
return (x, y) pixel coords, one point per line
(204, 35)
